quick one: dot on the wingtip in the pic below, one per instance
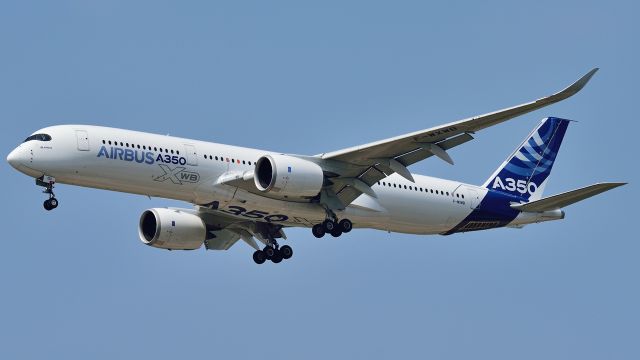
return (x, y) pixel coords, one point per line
(580, 83)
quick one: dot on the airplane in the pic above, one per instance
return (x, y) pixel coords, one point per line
(250, 194)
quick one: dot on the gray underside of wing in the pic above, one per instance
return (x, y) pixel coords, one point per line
(224, 231)
(369, 163)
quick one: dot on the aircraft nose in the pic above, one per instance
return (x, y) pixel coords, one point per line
(17, 157)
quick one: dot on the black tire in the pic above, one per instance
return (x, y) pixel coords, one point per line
(329, 225)
(336, 232)
(53, 202)
(259, 257)
(277, 257)
(286, 251)
(318, 230)
(47, 205)
(269, 252)
(345, 225)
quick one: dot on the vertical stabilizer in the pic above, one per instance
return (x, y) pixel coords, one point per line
(525, 172)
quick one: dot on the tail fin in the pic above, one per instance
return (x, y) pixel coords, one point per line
(525, 172)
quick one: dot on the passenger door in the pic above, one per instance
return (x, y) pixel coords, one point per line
(471, 195)
(83, 140)
(192, 155)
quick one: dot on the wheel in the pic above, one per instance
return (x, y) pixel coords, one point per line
(53, 202)
(345, 225)
(286, 251)
(259, 257)
(336, 232)
(277, 257)
(269, 252)
(318, 230)
(47, 205)
(329, 225)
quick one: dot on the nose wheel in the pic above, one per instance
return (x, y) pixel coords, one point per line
(47, 182)
(50, 204)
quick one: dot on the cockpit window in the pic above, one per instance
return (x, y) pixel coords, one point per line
(39, 137)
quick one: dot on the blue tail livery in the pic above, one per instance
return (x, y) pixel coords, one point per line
(525, 172)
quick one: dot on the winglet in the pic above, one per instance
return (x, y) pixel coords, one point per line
(576, 86)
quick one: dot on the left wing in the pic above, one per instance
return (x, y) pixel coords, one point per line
(357, 168)
(224, 231)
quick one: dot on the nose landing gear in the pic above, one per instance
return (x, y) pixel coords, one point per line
(47, 182)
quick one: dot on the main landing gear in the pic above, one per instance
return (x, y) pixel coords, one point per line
(274, 252)
(333, 227)
(47, 182)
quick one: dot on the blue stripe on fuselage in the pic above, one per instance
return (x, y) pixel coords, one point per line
(494, 208)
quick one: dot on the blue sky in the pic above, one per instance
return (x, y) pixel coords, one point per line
(308, 78)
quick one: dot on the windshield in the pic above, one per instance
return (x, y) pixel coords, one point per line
(39, 137)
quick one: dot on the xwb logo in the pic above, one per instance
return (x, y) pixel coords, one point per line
(177, 175)
(512, 185)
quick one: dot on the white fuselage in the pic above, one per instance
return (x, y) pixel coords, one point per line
(187, 170)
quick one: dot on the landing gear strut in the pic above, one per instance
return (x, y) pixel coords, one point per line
(47, 182)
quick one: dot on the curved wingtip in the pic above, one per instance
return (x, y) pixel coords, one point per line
(579, 84)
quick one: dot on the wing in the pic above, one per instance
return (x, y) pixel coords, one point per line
(224, 231)
(356, 168)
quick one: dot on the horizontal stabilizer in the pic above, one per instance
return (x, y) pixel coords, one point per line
(565, 199)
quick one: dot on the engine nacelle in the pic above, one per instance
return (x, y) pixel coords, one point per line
(288, 176)
(171, 229)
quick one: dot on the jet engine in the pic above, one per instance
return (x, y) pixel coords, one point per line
(288, 176)
(171, 229)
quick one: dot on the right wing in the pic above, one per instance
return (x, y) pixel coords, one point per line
(359, 167)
